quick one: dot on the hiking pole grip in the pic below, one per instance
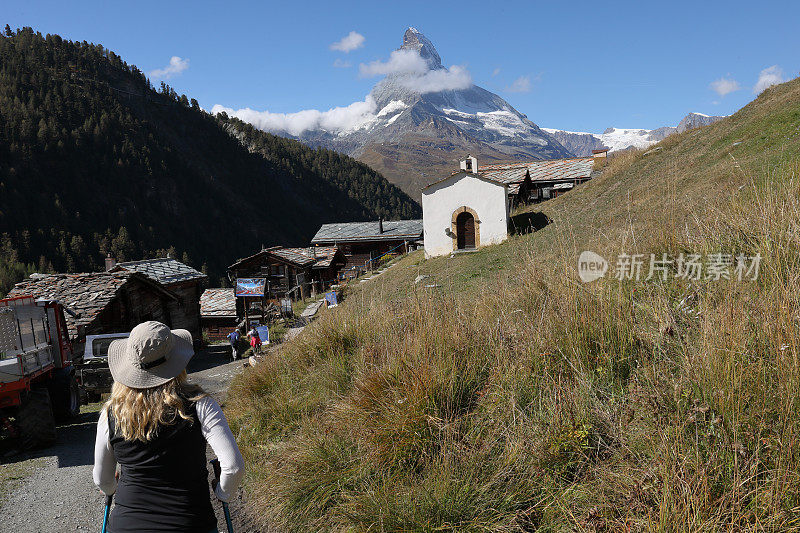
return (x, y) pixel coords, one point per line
(225, 509)
(217, 469)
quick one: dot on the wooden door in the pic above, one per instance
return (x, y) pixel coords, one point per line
(465, 230)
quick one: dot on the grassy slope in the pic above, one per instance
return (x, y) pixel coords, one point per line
(511, 397)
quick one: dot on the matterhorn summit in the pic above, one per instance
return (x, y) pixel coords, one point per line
(413, 40)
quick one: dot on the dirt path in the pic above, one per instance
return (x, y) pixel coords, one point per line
(57, 492)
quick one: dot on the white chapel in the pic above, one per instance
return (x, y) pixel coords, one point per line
(464, 211)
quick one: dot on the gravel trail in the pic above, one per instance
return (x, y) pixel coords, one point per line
(60, 496)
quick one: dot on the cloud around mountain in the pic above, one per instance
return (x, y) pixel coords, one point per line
(335, 119)
(406, 66)
(416, 74)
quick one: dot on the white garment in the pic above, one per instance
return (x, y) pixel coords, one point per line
(216, 432)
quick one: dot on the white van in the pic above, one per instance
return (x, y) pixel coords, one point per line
(92, 373)
(97, 345)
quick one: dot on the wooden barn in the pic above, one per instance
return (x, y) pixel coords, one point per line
(218, 313)
(186, 282)
(105, 302)
(364, 242)
(535, 181)
(293, 272)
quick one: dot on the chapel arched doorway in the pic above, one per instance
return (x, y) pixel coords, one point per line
(465, 231)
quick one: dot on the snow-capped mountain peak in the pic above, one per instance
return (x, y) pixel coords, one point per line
(414, 40)
(582, 143)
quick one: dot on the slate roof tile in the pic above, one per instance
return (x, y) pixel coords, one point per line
(368, 231)
(548, 170)
(218, 303)
(85, 294)
(316, 256)
(164, 270)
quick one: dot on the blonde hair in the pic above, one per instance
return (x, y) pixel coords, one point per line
(139, 412)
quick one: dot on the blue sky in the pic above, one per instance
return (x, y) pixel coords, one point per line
(580, 66)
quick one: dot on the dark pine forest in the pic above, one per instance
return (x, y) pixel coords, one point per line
(95, 160)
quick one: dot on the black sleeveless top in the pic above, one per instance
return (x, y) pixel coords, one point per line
(163, 484)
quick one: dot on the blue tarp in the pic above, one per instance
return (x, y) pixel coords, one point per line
(332, 299)
(263, 334)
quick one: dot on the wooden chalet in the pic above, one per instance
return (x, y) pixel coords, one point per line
(363, 242)
(104, 302)
(218, 313)
(288, 272)
(536, 181)
(186, 282)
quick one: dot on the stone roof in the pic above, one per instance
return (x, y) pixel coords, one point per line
(84, 294)
(513, 174)
(368, 231)
(324, 255)
(548, 170)
(218, 303)
(164, 270)
(314, 256)
(298, 256)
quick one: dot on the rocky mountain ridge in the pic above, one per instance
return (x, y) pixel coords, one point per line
(581, 144)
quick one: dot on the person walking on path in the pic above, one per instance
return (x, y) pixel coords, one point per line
(255, 341)
(155, 426)
(233, 338)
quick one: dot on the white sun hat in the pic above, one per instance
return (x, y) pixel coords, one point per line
(152, 355)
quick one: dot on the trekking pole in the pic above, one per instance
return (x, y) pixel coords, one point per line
(228, 520)
(225, 509)
(107, 511)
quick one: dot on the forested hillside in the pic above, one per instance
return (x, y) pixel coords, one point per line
(94, 160)
(361, 182)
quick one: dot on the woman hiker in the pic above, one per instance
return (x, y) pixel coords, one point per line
(155, 427)
(255, 341)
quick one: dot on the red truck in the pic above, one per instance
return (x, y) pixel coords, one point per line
(37, 376)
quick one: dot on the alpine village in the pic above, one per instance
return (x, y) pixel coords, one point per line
(422, 311)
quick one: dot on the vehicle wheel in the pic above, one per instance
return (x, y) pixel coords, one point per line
(37, 426)
(66, 398)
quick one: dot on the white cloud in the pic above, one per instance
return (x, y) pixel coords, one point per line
(520, 85)
(495, 72)
(340, 63)
(337, 119)
(175, 67)
(348, 43)
(724, 86)
(768, 77)
(400, 62)
(433, 81)
(414, 73)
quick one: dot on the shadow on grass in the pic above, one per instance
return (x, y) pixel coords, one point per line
(528, 222)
